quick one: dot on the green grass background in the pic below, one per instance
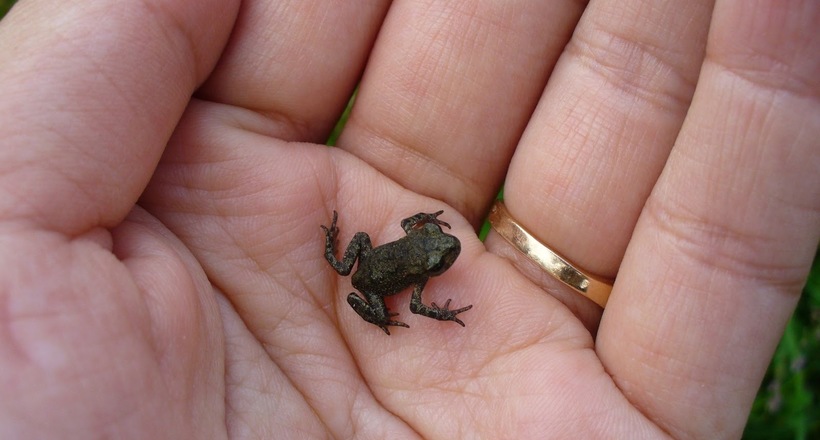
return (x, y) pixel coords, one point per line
(786, 406)
(5, 5)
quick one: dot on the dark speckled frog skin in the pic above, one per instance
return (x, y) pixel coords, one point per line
(426, 251)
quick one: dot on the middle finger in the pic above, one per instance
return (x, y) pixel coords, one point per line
(448, 90)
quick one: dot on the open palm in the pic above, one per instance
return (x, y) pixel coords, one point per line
(162, 266)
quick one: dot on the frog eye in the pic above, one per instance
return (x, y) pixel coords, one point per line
(438, 268)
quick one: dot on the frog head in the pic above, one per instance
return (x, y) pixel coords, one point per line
(443, 249)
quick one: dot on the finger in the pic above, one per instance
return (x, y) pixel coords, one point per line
(725, 242)
(603, 130)
(91, 92)
(448, 90)
(296, 62)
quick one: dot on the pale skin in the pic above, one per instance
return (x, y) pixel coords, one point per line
(162, 263)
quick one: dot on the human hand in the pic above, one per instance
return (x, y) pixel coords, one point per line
(206, 308)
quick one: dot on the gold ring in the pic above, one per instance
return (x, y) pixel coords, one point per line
(596, 289)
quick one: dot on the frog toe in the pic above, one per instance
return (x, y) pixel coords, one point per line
(393, 323)
(441, 313)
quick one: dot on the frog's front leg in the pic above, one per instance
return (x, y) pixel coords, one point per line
(359, 247)
(434, 311)
(419, 220)
(374, 310)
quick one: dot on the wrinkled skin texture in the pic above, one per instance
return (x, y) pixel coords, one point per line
(425, 252)
(163, 177)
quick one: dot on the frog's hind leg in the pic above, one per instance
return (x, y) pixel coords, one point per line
(434, 311)
(374, 311)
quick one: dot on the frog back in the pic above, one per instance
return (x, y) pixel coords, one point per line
(391, 268)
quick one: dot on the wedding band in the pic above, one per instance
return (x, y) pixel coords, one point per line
(593, 288)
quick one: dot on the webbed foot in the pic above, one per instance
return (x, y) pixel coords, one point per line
(441, 313)
(378, 315)
(331, 232)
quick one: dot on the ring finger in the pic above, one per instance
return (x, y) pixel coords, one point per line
(601, 134)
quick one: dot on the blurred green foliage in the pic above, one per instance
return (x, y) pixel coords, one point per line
(5, 5)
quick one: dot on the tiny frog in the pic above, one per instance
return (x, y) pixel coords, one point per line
(426, 251)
